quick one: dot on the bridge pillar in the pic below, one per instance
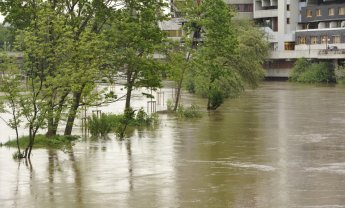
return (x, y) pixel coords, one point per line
(335, 63)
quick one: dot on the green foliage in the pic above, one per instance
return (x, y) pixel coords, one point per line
(250, 54)
(101, 126)
(170, 105)
(190, 112)
(299, 68)
(340, 74)
(41, 141)
(308, 72)
(107, 123)
(134, 37)
(6, 38)
(230, 56)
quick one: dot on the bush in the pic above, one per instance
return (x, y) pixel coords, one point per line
(108, 123)
(340, 74)
(170, 105)
(308, 72)
(299, 68)
(191, 112)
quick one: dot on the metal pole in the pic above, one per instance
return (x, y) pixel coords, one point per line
(309, 38)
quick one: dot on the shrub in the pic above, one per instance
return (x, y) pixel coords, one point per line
(308, 72)
(190, 112)
(170, 105)
(107, 123)
(299, 68)
(340, 74)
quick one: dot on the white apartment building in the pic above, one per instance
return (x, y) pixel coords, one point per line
(313, 29)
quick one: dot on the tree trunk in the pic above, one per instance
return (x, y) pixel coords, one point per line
(18, 147)
(30, 144)
(53, 122)
(128, 96)
(209, 107)
(179, 85)
(50, 131)
(72, 113)
(178, 95)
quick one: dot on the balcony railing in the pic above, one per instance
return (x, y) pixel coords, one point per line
(332, 51)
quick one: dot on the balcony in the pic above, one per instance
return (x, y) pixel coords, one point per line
(265, 13)
(309, 51)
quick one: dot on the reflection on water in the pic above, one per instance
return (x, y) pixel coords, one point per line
(279, 146)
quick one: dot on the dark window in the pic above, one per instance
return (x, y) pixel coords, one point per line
(288, 7)
(244, 7)
(287, 20)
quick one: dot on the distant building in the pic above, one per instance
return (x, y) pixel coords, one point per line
(313, 29)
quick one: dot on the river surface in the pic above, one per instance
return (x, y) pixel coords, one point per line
(281, 145)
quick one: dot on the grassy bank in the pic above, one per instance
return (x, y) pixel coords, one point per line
(41, 141)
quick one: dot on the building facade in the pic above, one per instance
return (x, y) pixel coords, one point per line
(313, 29)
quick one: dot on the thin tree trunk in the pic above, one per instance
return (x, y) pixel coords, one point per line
(179, 86)
(178, 95)
(128, 96)
(18, 147)
(73, 112)
(50, 131)
(52, 127)
(16, 128)
(209, 104)
(30, 144)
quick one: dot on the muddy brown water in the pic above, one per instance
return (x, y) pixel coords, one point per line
(282, 145)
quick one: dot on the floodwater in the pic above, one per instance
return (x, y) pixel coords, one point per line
(282, 145)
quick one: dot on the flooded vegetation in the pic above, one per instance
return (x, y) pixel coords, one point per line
(281, 145)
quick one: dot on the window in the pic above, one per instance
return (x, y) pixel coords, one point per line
(318, 12)
(313, 40)
(288, 7)
(338, 24)
(309, 13)
(327, 24)
(302, 40)
(289, 46)
(287, 20)
(336, 39)
(324, 39)
(331, 11)
(342, 11)
(243, 7)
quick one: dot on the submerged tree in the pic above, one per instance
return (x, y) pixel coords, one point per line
(68, 44)
(136, 38)
(180, 53)
(10, 86)
(228, 57)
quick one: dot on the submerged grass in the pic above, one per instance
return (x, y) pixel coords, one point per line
(41, 141)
